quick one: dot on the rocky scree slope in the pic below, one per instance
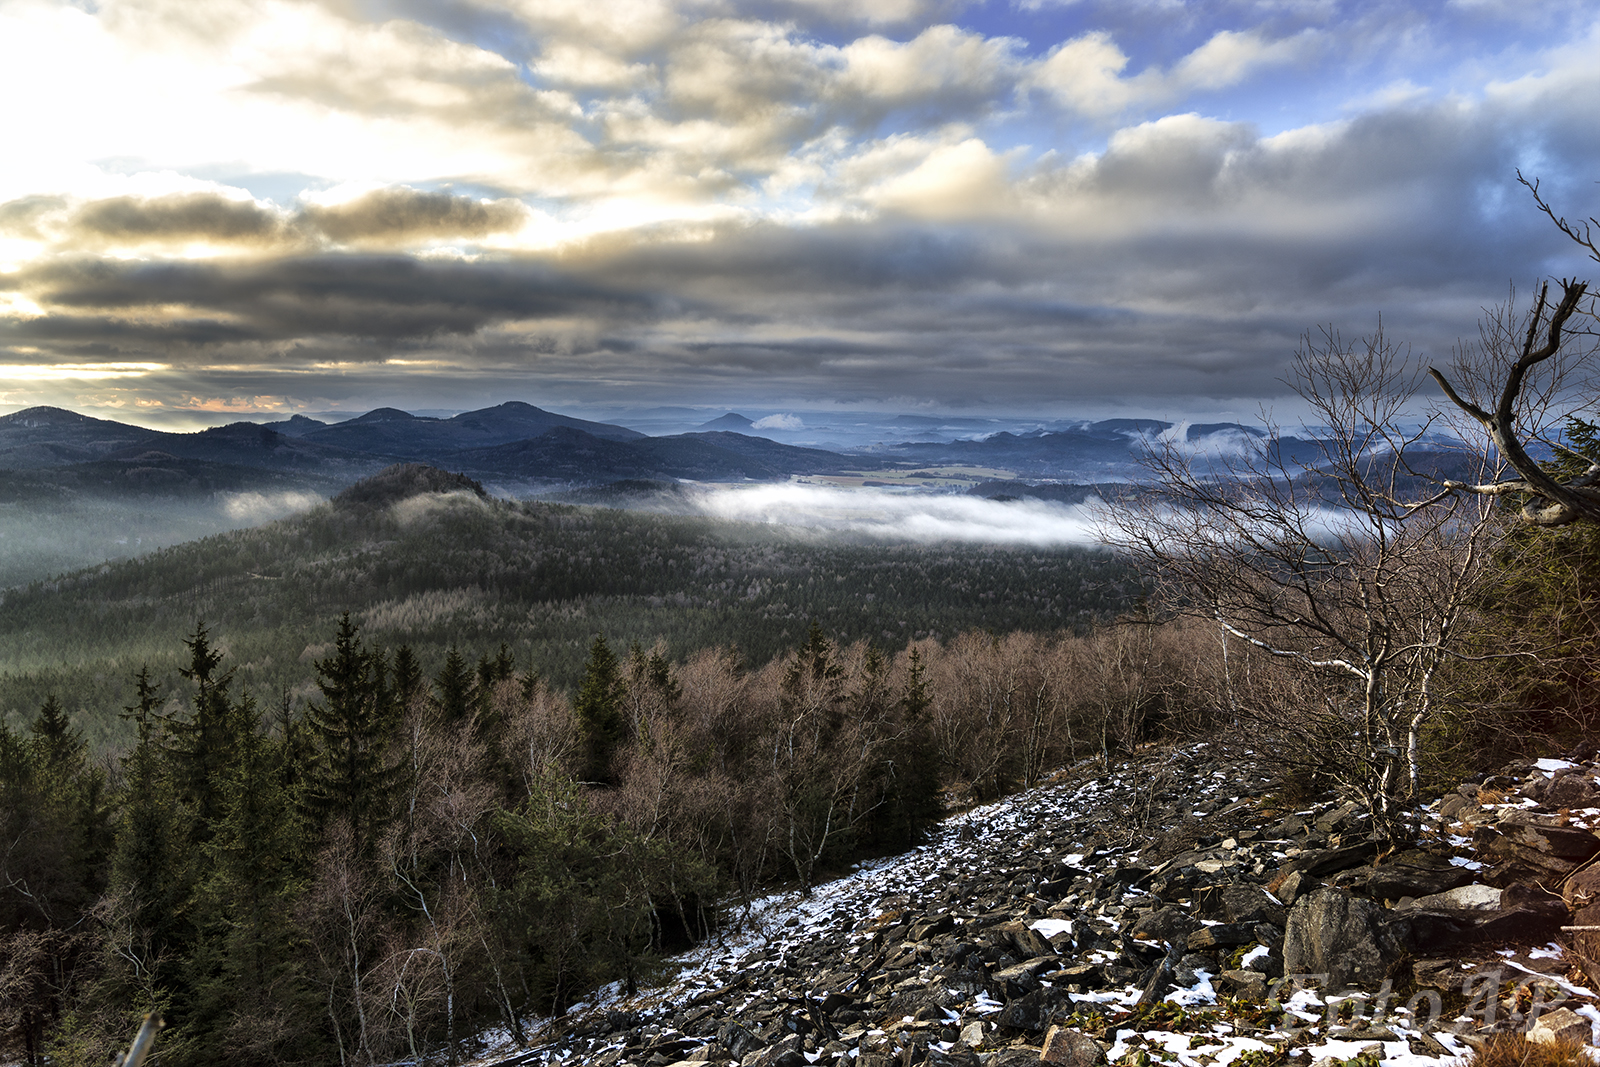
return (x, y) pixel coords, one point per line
(1149, 913)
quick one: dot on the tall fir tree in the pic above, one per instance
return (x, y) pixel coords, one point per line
(248, 986)
(453, 689)
(352, 778)
(151, 870)
(406, 677)
(205, 744)
(599, 710)
(918, 800)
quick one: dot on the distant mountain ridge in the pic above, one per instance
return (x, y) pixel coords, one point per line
(519, 442)
(512, 440)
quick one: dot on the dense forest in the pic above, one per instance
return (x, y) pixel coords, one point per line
(406, 858)
(458, 567)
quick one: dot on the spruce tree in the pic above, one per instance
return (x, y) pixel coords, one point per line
(61, 747)
(352, 777)
(150, 868)
(245, 971)
(204, 746)
(501, 667)
(406, 678)
(599, 709)
(917, 799)
(453, 686)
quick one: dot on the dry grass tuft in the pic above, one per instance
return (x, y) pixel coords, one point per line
(1515, 1050)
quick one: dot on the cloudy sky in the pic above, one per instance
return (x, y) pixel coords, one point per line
(1038, 207)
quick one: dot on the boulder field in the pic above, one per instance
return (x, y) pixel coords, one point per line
(1171, 908)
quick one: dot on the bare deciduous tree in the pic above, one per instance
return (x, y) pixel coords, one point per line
(1521, 381)
(1332, 552)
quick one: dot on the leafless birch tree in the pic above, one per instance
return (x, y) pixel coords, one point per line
(1332, 551)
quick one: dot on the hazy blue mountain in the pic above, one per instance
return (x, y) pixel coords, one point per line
(1198, 430)
(1056, 492)
(572, 455)
(731, 421)
(252, 445)
(390, 432)
(791, 459)
(295, 425)
(49, 437)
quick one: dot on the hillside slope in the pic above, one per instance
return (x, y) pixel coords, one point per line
(1127, 912)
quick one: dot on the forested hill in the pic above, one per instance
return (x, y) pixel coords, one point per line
(437, 568)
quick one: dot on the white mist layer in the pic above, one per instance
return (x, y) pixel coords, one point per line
(923, 517)
(254, 508)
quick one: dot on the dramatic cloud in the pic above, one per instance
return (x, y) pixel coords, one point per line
(917, 203)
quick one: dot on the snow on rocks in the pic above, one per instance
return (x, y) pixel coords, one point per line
(1135, 915)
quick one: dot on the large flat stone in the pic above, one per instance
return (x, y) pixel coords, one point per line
(1334, 933)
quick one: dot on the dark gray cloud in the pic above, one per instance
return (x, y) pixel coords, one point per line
(403, 216)
(178, 217)
(381, 218)
(393, 298)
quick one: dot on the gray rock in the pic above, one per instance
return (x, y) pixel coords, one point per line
(1015, 1057)
(1239, 902)
(1251, 985)
(1455, 805)
(1319, 862)
(1186, 972)
(1289, 827)
(1438, 974)
(1332, 932)
(921, 931)
(1523, 831)
(1338, 817)
(1292, 885)
(1024, 976)
(1071, 1048)
(1170, 923)
(738, 1041)
(1476, 896)
(1027, 942)
(1561, 1025)
(1032, 1012)
(1410, 874)
(1223, 935)
(1522, 923)
(1571, 791)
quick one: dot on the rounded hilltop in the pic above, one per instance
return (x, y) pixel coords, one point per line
(403, 481)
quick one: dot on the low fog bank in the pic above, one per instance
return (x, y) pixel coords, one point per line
(42, 540)
(253, 509)
(903, 516)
